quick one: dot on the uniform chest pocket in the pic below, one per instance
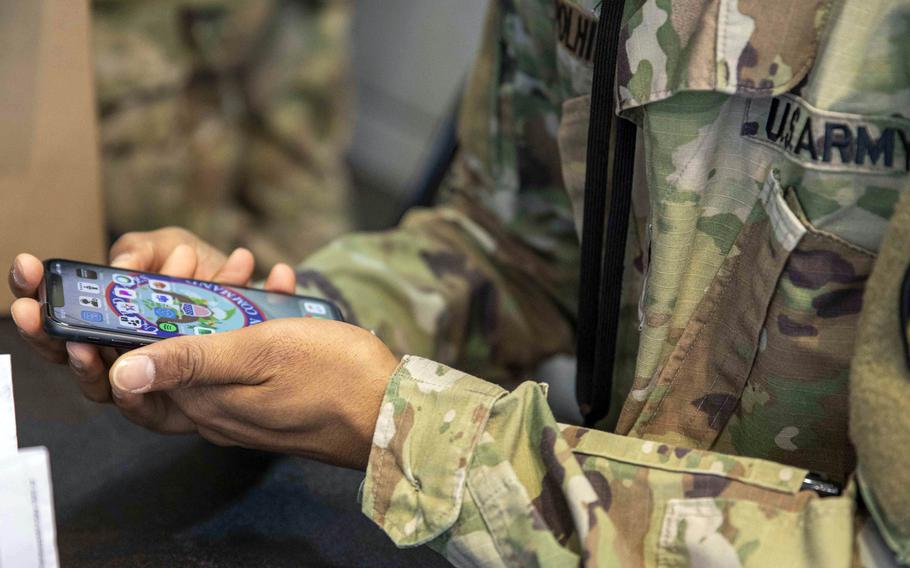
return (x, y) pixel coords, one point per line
(794, 404)
(761, 368)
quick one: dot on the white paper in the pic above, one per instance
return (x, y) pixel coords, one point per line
(28, 535)
(9, 443)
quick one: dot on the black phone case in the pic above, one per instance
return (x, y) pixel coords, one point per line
(108, 338)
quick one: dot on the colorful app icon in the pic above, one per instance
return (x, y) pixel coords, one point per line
(166, 313)
(203, 330)
(90, 302)
(314, 308)
(94, 317)
(127, 308)
(163, 298)
(131, 321)
(168, 327)
(89, 288)
(159, 285)
(124, 280)
(124, 293)
(86, 273)
(195, 311)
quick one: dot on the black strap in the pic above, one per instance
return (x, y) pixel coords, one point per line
(613, 265)
(598, 302)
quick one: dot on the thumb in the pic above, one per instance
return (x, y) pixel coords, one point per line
(183, 362)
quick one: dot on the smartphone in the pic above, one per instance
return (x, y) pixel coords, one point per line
(89, 303)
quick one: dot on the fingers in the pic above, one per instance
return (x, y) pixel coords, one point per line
(25, 276)
(181, 263)
(172, 250)
(192, 361)
(91, 371)
(148, 251)
(228, 415)
(84, 360)
(281, 279)
(154, 411)
(26, 314)
(237, 269)
(134, 251)
(109, 356)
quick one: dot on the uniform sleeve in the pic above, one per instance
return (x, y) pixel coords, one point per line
(443, 286)
(487, 280)
(488, 478)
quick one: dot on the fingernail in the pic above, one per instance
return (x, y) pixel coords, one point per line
(134, 374)
(16, 274)
(75, 362)
(12, 313)
(122, 260)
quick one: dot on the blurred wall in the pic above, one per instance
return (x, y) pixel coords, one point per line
(409, 58)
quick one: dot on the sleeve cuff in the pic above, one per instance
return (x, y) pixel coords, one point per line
(429, 423)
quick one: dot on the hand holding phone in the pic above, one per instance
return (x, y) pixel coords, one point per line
(318, 396)
(299, 386)
(171, 251)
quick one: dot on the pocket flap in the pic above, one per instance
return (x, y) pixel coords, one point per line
(746, 47)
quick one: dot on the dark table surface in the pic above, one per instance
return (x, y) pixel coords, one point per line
(128, 497)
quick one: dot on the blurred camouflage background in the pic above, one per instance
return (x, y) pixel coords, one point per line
(228, 117)
(234, 118)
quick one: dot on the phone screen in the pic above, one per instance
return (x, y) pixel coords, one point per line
(107, 298)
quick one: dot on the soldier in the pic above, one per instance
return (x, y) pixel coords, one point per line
(771, 154)
(228, 117)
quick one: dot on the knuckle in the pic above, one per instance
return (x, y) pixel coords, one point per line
(172, 230)
(177, 234)
(135, 415)
(273, 350)
(85, 378)
(127, 241)
(185, 362)
(365, 344)
(96, 394)
(56, 356)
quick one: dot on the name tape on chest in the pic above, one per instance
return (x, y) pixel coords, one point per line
(576, 29)
(826, 140)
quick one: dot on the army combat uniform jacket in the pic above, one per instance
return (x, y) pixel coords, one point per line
(773, 150)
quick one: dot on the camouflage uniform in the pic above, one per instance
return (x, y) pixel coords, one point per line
(229, 117)
(773, 148)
